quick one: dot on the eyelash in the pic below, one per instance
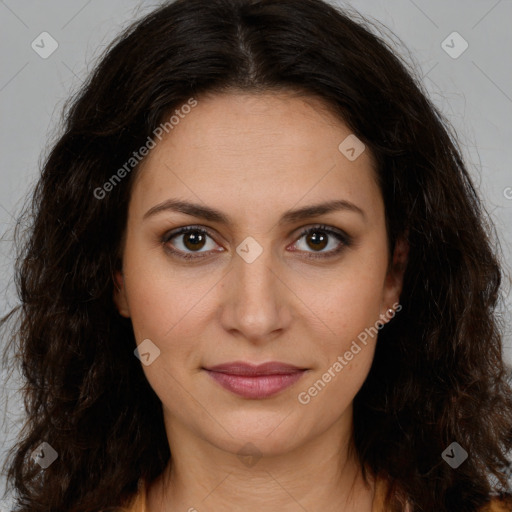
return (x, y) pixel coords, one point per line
(346, 241)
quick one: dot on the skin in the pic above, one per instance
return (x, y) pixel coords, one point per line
(254, 157)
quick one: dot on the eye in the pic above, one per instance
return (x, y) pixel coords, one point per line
(190, 238)
(322, 237)
(192, 242)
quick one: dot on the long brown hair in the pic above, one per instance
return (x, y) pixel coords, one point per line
(438, 374)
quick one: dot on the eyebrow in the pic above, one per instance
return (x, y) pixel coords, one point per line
(213, 215)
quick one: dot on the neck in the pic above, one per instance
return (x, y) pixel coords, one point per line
(321, 475)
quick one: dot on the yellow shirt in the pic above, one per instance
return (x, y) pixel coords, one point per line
(139, 501)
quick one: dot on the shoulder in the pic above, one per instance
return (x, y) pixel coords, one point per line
(138, 502)
(497, 505)
(382, 486)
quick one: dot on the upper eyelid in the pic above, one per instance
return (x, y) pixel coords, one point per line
(184, 229)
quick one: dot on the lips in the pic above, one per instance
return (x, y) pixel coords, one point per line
(255, 381)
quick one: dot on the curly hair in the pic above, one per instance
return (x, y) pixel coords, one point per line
(438, 374)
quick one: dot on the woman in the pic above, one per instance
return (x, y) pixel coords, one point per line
(258, 277)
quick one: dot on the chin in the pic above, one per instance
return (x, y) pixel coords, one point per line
(271, 436)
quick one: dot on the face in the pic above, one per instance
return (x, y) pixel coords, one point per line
(248, 282)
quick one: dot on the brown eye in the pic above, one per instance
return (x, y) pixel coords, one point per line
(189, 240)
(317, 240)
(194, 240)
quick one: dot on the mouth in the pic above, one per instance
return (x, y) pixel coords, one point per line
(255, 382)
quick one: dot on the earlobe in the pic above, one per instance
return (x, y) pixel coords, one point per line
(119, 297)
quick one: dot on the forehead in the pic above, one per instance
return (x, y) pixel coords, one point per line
(258, 149)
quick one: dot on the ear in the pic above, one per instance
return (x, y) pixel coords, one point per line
(394, 279)
(120, 299)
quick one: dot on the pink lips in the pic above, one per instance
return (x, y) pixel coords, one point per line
(255, 382)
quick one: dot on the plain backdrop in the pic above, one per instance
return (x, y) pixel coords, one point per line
(473, 89)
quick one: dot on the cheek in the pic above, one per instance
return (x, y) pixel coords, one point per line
(351, 312)
(347, 305)
(162, 300)
(164, 307)
(329, 394)
(350, 308)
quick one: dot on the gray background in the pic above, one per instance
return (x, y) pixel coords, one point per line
(474, 91)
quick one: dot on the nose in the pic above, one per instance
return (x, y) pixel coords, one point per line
(256, 300)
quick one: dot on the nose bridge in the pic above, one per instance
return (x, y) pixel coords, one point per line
(254, 303)
(252, 269)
